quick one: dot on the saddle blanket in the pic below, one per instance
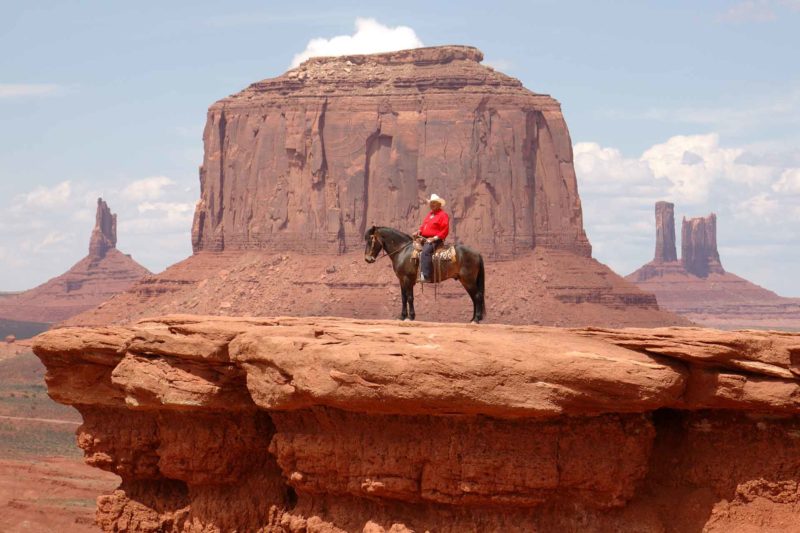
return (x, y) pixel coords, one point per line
(441, 255)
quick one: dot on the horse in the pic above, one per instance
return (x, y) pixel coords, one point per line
(467, 268)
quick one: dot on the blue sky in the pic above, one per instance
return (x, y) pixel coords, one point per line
(693, 102)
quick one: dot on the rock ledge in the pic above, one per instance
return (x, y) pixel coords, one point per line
(331, 425)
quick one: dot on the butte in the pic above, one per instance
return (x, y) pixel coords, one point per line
(699, 288)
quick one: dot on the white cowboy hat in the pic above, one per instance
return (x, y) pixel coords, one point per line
(436, 198)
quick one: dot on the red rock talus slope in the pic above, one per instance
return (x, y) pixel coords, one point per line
(698, 287)
(331, 425)
(309, 160)
(94, 279)
(548, 287)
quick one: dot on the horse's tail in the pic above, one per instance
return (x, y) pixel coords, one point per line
(480, 281)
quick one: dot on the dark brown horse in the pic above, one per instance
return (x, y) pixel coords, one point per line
(466, 268)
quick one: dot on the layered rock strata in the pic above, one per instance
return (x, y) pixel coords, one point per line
(698, 287)
(104, 272)
(331, 425)
(309, 160)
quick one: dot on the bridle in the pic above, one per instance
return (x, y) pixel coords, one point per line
(374, 238)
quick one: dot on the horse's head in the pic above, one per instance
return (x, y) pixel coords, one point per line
(373, 245)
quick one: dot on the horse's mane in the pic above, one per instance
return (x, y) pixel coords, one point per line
(396, 233)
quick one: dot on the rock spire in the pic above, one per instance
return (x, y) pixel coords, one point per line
(665, 233)
(699, 253)
(104, 234)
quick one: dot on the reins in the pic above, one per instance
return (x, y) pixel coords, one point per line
(387, 254)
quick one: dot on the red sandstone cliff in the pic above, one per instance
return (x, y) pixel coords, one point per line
(332, 425)
(296, 167)
(308, 160)
(697, 286)
(94, 279)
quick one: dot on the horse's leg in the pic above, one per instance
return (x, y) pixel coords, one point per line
(472, 291)
(410, 293)
(407, 286)
(404, 296)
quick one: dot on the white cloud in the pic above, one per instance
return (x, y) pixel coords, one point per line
(684, 167)
(370, 37)
(175, 208)
(151, 188)
(17, 90)
(42, 198)
(693, 162)
(789, 182)
(608, 166)
(761, 206)
(160, 217)
(757, 204)
(51, 239)
(11, 259)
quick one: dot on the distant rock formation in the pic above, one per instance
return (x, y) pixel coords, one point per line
(308, 160)
(665, 233)
(94, 279)
(699, 288)
(299, 425)
(699, 253)
(104, 234)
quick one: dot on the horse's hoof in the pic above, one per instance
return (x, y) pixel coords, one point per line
(475, 322)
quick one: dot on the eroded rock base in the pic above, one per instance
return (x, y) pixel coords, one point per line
(324, 470)
(330, 425)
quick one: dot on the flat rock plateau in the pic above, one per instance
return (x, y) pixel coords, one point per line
(698, 288)
(340, 425)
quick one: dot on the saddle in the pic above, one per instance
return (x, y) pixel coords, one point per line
(441, 255)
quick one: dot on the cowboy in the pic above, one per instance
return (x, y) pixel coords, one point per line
(434, 230)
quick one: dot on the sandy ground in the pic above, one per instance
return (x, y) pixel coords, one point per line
(44, 484)
(50, 494)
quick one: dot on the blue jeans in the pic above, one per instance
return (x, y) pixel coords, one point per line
(426, 261)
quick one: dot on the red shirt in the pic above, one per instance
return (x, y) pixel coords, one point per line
(436, 224)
